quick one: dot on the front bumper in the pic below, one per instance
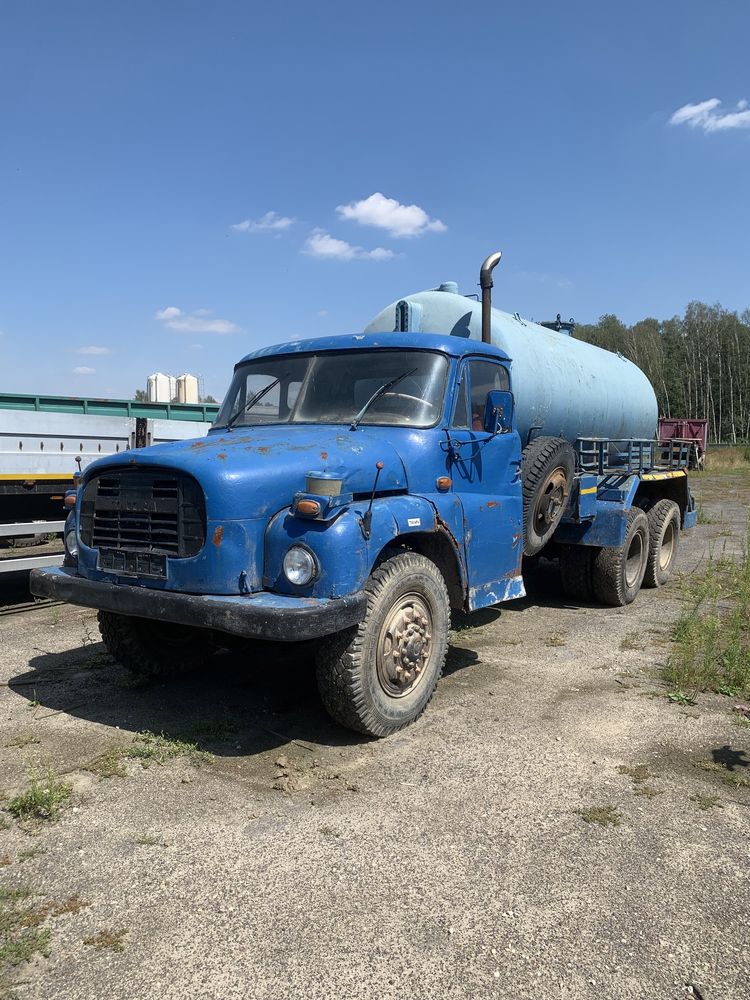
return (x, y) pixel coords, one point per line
(262, 615)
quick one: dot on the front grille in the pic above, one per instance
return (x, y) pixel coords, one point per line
(155, 512)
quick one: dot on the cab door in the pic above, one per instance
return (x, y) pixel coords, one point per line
(485, 469)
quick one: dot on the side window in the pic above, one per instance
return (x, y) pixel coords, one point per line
(484, 376)
(461, 409)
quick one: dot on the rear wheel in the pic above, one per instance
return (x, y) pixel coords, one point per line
(380, 675)
(664, 540)
(547, 470)
(152, 648)
(618, 572)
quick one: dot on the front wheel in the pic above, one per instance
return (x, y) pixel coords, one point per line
(149, 648)
(380, 675)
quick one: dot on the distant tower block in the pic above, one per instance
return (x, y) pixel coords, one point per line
(187, 389)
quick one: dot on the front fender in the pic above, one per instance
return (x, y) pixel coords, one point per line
(345, 557)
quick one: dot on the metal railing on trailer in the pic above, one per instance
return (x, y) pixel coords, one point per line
(630, 456)
(17, 564)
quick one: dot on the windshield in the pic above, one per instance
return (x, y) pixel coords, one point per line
(333, 387)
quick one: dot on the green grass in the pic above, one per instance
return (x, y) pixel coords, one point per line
(21, 936)
(601, 815)
(43, 800)
(703, 517)
(733, 778)
(147, 748)
(711, 640)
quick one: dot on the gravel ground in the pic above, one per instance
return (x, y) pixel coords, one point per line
(449, 861)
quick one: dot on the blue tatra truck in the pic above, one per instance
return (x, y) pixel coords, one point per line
(355, 489)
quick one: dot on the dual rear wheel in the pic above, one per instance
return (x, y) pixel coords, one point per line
(615, 575)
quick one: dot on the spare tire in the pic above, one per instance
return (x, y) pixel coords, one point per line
(547, 470)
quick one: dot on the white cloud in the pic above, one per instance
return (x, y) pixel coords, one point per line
(391, 215)
(706, 115)
(321, 244)
(195, 322)
(83, 370)
(93, 349)
(270, 222)
(322, 312)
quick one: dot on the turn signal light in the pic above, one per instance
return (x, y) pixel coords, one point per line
(308, 508)
(443, 483)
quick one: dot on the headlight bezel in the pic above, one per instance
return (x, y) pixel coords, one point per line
(307, 561)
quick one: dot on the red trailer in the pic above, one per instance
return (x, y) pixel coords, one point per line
(688, 429)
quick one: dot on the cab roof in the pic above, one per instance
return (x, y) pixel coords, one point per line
(456, 347)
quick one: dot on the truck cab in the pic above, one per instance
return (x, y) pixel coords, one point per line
(330, 462)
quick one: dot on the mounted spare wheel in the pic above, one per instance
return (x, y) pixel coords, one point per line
(547, 470)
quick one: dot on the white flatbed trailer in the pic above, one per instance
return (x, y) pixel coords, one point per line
(45, 441)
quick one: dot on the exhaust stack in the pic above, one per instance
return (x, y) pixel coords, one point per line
(485, 281)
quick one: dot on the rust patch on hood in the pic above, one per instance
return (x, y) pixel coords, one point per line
(218, 535)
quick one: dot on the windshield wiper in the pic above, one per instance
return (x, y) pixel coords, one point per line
(377, 394)
(256, 398)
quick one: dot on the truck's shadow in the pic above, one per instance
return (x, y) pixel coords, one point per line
(240, 704)
(237, 706)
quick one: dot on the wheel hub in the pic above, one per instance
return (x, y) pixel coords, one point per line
(552, 498)
(404, 646)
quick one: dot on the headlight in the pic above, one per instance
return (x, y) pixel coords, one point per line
(71, 543)
(300, 566)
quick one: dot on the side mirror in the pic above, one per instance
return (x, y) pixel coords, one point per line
(498, 412)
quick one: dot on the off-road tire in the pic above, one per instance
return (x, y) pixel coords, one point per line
(616, 577)
(576, 571)
(543, 461)
(663, 525)
(347, 665)
(154, 649)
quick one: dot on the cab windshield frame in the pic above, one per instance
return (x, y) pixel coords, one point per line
(308, 382)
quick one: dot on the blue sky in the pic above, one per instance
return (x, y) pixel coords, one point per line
(144, 145)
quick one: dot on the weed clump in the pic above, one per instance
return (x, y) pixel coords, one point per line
(43, 800)
(147, 748)
(711, 650)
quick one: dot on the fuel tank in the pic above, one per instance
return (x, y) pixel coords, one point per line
(563, 387)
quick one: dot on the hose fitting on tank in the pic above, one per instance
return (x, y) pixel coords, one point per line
(485, 281)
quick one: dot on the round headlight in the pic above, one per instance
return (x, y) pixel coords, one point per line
(71, 544)
(300, 566)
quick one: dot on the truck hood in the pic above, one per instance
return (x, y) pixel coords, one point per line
(252, 472)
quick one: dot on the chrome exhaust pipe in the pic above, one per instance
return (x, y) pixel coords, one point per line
(485, 281)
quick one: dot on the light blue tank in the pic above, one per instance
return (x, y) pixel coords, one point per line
(563, 386)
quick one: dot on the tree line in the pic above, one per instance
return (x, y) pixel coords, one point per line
(698, 363)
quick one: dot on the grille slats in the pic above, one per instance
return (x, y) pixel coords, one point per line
(146, 513)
